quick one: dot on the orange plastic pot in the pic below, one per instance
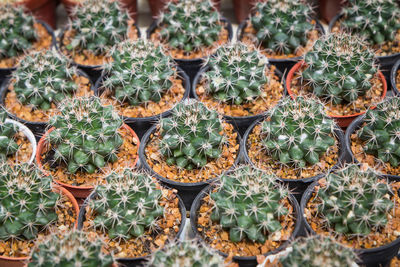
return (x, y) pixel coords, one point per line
(76, 191)
(42, 10)
(156, 6)
(342, 121)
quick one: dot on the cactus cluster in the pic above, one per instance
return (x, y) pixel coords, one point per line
(354, 201)
(376, 20)
(85, 135)
(282, 26)
(189, 25)
(191, 136)
(8, 146)
(27, 202)
(236, 74)
(140, 72)
(128, 205)
(17, 32)
(297, 132)
(43, 78)
(339, 68)
(249, 202)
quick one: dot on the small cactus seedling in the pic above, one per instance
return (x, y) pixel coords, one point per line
(354, 201)
(8, 146)
(297, 132)
(339, 68)
(85, 135)
(237, 74)
(191, 135)
(70, 249)
(249, 202)
(282, 25)
(189, 25)
(140, 72)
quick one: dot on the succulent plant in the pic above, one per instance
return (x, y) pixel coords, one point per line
(354, 201)
(339, 68)
(140, 72)
(43, 78)
(236, 74)
(376, 20)
(85, 135)
(189, 25)
(8, 146)
(191, 135)
(282, 25)
(128, 205)
(249, 202)
(297, 132)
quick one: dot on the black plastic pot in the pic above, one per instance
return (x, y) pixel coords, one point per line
(393, 75)
(191, 66)
(129, 262)
(240, 123)
(142, 125)
(282, 64)
(373, 257)
(250, 261)
(187, 191)
(38, 128)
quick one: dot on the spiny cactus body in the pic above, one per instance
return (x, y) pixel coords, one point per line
(8, 146)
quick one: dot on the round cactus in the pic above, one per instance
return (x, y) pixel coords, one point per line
(8, 146)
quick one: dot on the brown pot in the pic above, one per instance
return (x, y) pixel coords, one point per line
(42, 10)
(156, 6)
(242, 9)
(330, 8)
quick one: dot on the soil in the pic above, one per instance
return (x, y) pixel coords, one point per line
(398, 80)
(25, 150)
(395, 262)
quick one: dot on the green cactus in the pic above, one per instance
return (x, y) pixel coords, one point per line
(191, 135)
(8, 146)
(140, 72)
(86, 134)
(354, 201)
(190, 25)
(282, 25)
(43, 78)
(236, 74)
(339, 68)
(297, 132)
(249, 202)
(128, 205)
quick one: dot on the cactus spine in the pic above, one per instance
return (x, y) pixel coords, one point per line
(8, 146)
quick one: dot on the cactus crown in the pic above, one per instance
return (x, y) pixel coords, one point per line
(339, 68)
(128, 205)
(8, 146)
(190, 25)
(191, 135)
(98, 25)
(43, 78)
(86, 134)
(376, 20)
(17, 30)
(282, 25)
(185, 253)
(140, 72)
(316, 251)
(27, 202)
(237, 73)
(297, 132)
(249, 202)
(354, 201)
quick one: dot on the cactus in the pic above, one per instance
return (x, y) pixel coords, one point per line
(140, 72)
(191, 135)
(297, 132)
(17, 32)
(185, 253)
(375, 20)
(43, 78)
(189, 25)
(249, 202)
(354, 201)
(237, 74)
(128, 205)
(8, 146)
(282, 25)
(70, 249)
(85, 135)
(339, 68)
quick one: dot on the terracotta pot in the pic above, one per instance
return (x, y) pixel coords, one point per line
(156, 6)
(344, 120)
(242, 9)
(330, 8)
(42, 10)
(76, 191)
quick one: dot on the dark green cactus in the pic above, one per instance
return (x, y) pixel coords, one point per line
(191, 135)
(86, 134)
(8, 146)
